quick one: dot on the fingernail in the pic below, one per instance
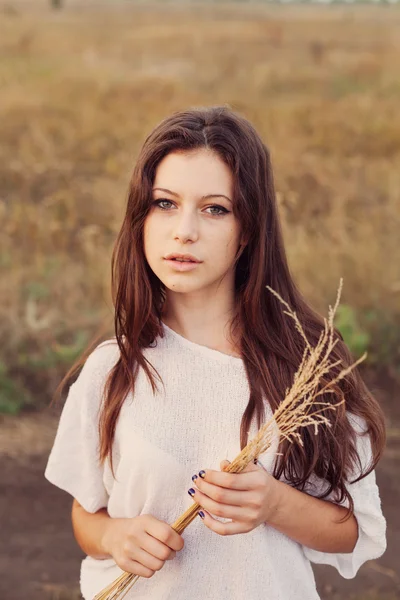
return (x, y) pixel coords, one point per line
(201, 514)
(202, 474)
(191, 492)
(194, 477)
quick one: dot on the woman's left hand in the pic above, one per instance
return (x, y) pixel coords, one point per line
(248, 498)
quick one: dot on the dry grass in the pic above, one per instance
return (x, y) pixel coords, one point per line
(80, 90)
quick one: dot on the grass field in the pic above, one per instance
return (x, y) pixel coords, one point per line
(81, 88)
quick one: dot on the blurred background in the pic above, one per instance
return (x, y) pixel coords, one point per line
(82, 83)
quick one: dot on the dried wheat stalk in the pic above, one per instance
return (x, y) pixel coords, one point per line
(291, 414)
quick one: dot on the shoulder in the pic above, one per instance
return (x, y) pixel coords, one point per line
(103, 357)
(98, 365)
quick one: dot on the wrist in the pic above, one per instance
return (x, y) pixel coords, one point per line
(276, 507)
(107, 537)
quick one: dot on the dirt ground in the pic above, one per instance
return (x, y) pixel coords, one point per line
(40, 560)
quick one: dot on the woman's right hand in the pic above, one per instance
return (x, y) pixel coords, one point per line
(142, 544)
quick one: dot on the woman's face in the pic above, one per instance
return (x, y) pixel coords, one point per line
(191, 213)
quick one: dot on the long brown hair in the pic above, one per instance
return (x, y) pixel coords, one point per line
(271, 346)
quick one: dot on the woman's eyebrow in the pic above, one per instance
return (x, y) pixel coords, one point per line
(206, 197)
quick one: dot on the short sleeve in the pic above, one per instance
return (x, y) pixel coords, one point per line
(73, 464)
(371, 542)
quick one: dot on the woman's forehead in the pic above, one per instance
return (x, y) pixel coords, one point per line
(199, 173)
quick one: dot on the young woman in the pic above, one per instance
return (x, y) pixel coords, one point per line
(201, 347)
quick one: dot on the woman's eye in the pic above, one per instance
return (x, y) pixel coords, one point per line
(221, 210)
(159, 202)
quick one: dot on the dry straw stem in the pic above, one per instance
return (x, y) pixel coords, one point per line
(292, 414)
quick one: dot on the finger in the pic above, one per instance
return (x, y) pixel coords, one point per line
(147, 560)
(136, 568)
(230, 528)
(218, 508)
(154, 547)
(246, 480)
(218, 494)
(224, 464)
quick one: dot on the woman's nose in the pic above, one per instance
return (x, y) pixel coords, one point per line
(187, 228)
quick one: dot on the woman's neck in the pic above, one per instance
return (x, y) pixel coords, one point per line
(201, 327)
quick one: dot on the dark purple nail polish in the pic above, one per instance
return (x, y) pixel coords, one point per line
(202, 474)
(201, 514)
(191, 492)
(194, 477)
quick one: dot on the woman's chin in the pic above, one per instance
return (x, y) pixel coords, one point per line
(177, 284)
(182, 288)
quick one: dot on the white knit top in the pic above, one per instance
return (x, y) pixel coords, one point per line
(160, 442)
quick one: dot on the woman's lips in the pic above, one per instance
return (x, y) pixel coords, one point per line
(178, 265)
